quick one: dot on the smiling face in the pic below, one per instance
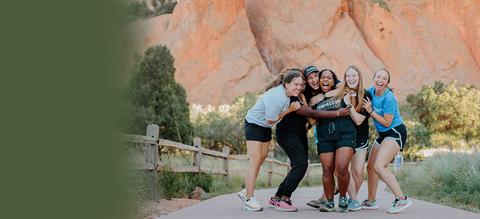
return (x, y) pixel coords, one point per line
(294, 87)
(312, 81)
(352, 78)
(381, 80)
(326, 81)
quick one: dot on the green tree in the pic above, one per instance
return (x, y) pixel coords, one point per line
(153, 96)
(223, 125)
(132, 11)
(446, 109)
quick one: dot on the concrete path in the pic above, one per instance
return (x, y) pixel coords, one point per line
(230, 207)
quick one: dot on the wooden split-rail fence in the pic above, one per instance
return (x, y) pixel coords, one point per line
(152, 162)
(152, 142)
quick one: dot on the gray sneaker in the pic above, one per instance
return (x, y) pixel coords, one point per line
(328, 206)
(316, 203)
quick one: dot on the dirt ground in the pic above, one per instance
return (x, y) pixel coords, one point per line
(163, 207)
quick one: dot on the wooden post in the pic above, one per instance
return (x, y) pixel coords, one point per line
(226, 151)
(270, 169)
(152, 149)
(197, 142)
(152, 157)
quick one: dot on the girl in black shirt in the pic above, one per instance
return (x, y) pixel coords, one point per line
(291, 135)
(353, 93)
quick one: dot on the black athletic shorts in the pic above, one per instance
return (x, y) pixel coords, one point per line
(334, 134)
(254, 132)
(397, 133)
(361, 144)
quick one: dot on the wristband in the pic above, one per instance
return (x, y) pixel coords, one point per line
(370, 112)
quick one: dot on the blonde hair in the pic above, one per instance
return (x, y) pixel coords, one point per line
(360, 91)
(286, 76)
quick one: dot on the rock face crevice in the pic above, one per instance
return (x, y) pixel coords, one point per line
(224, 49)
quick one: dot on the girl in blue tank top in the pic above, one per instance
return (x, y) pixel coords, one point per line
(383, 108)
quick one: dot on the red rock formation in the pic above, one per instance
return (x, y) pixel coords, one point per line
(309, 32)
(224, 49)
(216, 58)
(422, 41)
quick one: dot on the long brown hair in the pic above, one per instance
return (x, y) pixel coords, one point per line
(360, 90)
(286, 76)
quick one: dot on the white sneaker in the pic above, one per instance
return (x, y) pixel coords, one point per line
(252, 204)
(242, 195)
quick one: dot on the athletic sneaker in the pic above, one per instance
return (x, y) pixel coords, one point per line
(399, 205)
(354, 205)
(242, 195)
(316, 203)
(273, 202)
(370, 205)
(328, 206)
(342, 204)
(252, 204)
(285, 205)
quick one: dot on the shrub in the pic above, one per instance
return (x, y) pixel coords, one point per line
(173, 184)
(448, 110)
(132, 11)
(202, 180)
(382, 3)
(448, 178)
(223, 125)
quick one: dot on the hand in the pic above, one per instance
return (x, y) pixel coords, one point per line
(316, 99)
(294, 106)
(302, 98)
(346, 99)
(270, 122)
(343, 112)
(367, 104)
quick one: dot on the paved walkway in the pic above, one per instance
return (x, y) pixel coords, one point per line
(230, 207)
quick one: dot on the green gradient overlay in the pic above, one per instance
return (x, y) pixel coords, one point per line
(58, 105)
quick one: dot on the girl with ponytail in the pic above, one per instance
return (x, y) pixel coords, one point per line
(270, 107)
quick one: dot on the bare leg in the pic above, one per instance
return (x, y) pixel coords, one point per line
(343, 156)
(351, 186)
(357, 167)
(385, 155)
(372, 174)
(257, 155)
(328, 167)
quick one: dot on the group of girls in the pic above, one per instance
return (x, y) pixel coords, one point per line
(339, 112)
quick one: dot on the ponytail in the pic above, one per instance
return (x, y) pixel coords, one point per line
(285, 77)
(273, 83)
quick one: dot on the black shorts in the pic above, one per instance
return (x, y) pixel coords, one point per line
(335, 134)
(397, 133)
(361, 144)
(254, 132)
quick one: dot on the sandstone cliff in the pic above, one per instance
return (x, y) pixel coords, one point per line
(224, 49)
